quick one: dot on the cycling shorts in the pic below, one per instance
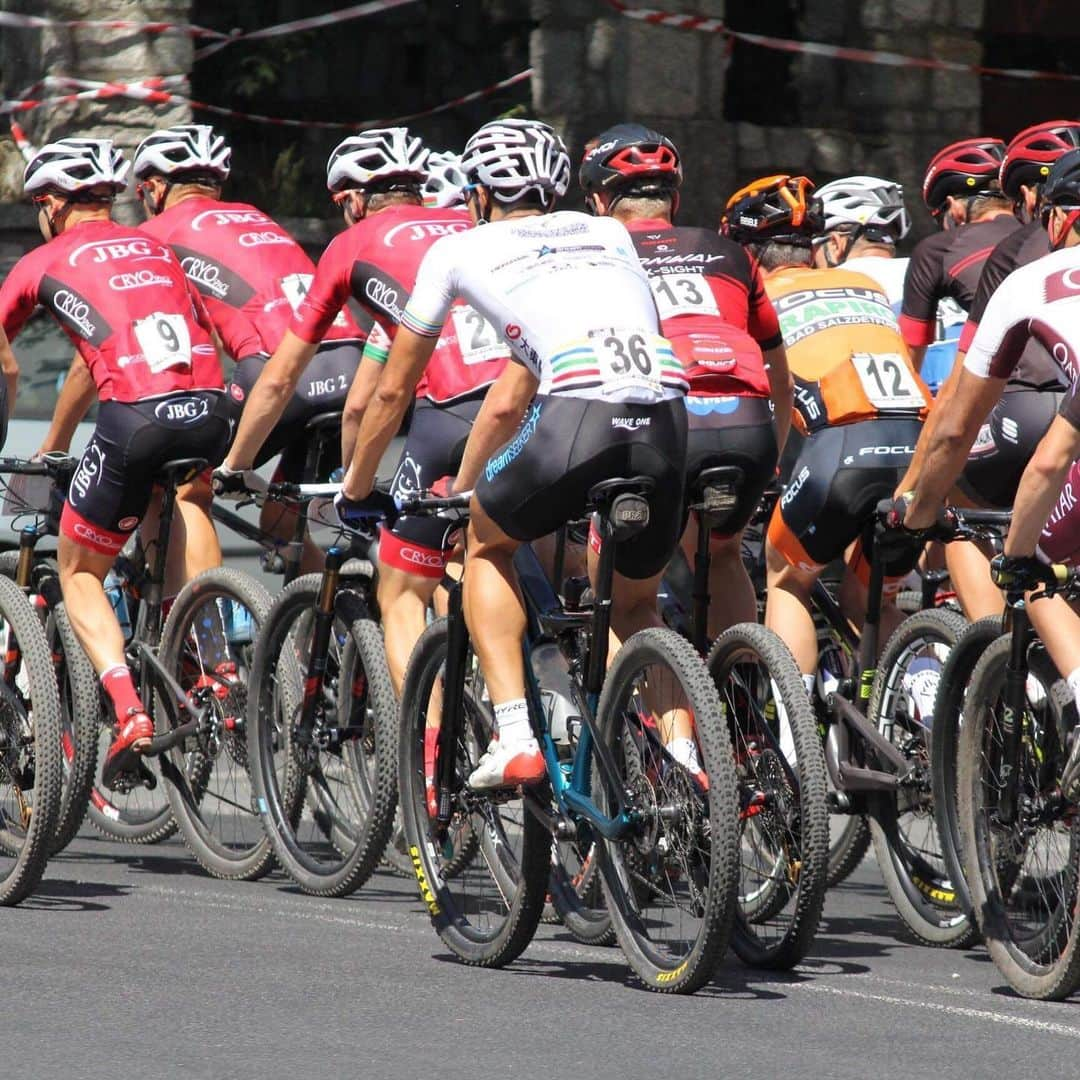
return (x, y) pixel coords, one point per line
(839, 475)
(433, 449)
(1005, 445)
(732, 431)
(111, 488)
(540, 480)
(323, 387)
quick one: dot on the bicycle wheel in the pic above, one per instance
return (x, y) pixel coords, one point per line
(783, 811)
(80, 720)
(326, 795)
(575, 895)
(1023, 875)
(486, 908)
(671, 882)
(30, 758)
(948, 710)
(206, 645)
(906, 842)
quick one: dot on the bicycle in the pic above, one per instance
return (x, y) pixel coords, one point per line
(35, 490)
(323, 720)
(1020, 833)
(667, 840)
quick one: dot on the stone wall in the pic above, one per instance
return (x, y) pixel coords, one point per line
(814, 115)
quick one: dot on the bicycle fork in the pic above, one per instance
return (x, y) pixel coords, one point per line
(1012, 713)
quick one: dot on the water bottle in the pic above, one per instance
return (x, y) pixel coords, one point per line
(549, 667)
(114, 590)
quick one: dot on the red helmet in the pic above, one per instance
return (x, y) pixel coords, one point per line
(965, 168)
(1031, 153)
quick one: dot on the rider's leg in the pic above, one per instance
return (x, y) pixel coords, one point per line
(969, 571)
(403, 602)
(788, 608)
(279, 520)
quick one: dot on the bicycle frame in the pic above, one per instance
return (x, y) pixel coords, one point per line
(1015, 704)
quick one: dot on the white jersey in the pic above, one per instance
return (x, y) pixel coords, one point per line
(1040, 300)
(888, 273)
(567, 293)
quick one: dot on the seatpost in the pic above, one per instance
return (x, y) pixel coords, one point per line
(155, 586)
(701, 587)
(1012, 715)
(601, 620)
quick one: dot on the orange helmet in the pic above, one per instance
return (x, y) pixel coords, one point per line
(774, 208)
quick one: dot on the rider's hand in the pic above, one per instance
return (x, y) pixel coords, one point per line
(355, 513)
(1024, 572)
(443, 488)
(235, 484)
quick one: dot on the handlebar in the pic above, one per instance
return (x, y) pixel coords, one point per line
(54, 464)
(430, 505)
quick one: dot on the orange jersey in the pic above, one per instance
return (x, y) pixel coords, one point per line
(844, 349)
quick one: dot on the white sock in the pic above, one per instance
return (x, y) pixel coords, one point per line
(512, 720)
(787, 739)
(684, 751)
(808, 682)
(1074, 685)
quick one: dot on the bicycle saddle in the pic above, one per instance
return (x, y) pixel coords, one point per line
(624, 501)
(606, 492)
(180, 471)
(326, 421)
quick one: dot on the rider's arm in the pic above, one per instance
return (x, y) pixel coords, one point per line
(1041, 485)
(268, 398)
(76, 396)
(10, 367)
(497, 420)
(409, 355)
(376, 351)
(781, 390)
(918, 354)
(942, 403)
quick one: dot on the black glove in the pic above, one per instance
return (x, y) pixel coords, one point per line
(1021, 573)
(229, 483)
(354, 514)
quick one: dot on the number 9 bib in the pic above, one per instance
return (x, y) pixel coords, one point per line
(165, 341)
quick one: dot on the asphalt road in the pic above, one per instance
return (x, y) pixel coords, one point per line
(129, 961)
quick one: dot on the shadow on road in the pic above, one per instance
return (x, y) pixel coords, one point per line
(75, 896)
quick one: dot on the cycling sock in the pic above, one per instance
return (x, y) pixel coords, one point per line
(1074, 685)
(808, 682)
(787, 739)
(684, 751)
(121, 690)
(512, 721)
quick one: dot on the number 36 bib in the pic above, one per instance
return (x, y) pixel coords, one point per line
(617, 365)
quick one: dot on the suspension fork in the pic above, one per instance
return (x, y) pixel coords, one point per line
(323, 624)
(1012, 716)
(452, 722)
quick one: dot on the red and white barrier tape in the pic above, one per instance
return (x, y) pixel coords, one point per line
(25, 146)
(159, 91)
(15, 21)
(836, 52)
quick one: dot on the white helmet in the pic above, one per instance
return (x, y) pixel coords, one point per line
(186, 148)
(515, 157)
(445, 180)
(74, 165)
(866, 201)
(378, 154)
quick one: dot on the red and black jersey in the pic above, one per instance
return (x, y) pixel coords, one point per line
(1037, 368)
(947, 264)
(713, 307)
(250, 271)
(375, 261)
(124, 301)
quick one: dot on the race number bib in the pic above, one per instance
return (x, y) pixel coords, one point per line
(888, 382)
(683, 294)
(164, 340)
(295, 287)
(477, 339)
(628, 360)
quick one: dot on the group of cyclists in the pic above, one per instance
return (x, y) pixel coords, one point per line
(543, 351)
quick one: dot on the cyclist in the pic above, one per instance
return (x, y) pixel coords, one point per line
(962, 193)
(1035, 301)
(252, 276)
(143, 334)
(858, 408)
(593, 393)
(714, 311)
(864, 220)
(376, 177)
(1034, 391)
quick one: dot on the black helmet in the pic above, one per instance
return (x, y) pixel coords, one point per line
(1062, 187)
(630, 157)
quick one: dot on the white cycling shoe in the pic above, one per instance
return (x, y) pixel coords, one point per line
(508, 764)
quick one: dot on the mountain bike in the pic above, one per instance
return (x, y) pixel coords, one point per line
(667, 839)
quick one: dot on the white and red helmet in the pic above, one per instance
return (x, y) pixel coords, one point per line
(71, 166)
